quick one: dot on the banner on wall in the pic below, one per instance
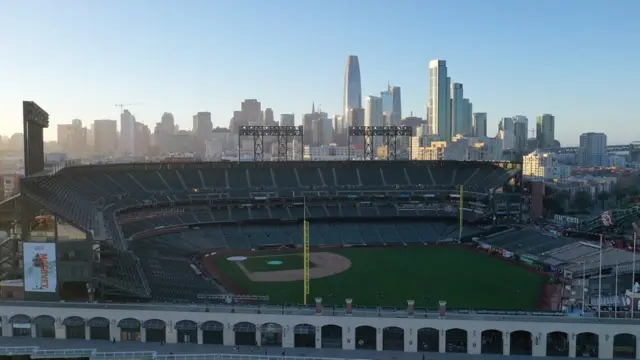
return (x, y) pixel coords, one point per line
(40, 267)
(507, 254)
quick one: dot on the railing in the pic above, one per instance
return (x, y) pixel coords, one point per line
(125, 355)
(62, 353)
(17, 350)
(35, 353)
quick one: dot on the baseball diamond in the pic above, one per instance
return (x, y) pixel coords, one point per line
(375, 276)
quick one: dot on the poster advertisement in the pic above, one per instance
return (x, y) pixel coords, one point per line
(40, 267)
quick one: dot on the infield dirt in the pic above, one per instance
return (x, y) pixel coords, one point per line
(325, 264)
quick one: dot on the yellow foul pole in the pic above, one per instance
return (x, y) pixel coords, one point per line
(460, 215)
(305, 251)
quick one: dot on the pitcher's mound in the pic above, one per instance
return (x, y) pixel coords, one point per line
(324, 264)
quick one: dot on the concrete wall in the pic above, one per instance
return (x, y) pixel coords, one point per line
(538, 329)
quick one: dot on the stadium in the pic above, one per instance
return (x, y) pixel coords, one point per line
(170, 252)
(220, 232)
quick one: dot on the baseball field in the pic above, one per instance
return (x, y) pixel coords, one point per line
(375, 276)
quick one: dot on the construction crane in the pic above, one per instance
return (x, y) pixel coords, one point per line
(121, 106)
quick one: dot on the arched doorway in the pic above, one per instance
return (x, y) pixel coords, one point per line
(557, 344)
(129, 329)
(366, 337)
(587, 345)
(155, 331)
(304, 336)
(393, 338)
(74, 328)
(331, 337)
(98, 328)
(187, 332)
(245, 333)
(521, 343)
(212, 333)
(20, 325)
(491, 342)
(428, 340)
(456, 340)
(271, 334)
(624, 346)
(45, 326)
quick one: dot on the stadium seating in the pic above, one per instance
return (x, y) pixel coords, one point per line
(172, 278)
(121, 203)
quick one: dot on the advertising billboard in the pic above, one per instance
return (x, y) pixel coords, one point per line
(40, 267)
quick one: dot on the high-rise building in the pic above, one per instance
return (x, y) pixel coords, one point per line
(352, 86)
(396, 94)
(520, 131)
(468, 117)
(105, 131)
(287, 120)
(202, 129)
(268, 118)
(72, 138)
(592, 150)
(251, 111)
(458, 112)
(479, 124)
(387, 101)
(546, 130)
(373, 115)
(439, 102)
(127, 133)
(355, 117)
(167, 124)
(143, 139)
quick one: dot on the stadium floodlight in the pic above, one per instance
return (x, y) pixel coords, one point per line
(282, 133)
(389, 133)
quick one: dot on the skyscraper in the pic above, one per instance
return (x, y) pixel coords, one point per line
(352, 86)
(397, 104)
(105, 132)
(127, 133)
(458, 112)
(479, 124)
(387, 101)
(439, 102)
(521, 130)
(268, 118)
(373, 115)
(593, 149)
(546, 130)
(287, 120)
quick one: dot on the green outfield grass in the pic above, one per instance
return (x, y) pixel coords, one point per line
(274, 262)
(462, 277)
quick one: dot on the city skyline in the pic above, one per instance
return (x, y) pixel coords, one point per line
(161, 73)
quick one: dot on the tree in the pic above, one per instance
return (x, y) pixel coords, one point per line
(582, 201)
(562, 196)
(603, 196)
(552, 205)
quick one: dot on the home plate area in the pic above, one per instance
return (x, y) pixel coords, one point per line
(289, 267)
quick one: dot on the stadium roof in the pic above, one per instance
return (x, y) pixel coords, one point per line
(526, 241)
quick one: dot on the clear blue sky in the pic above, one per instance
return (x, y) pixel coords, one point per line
(576, 59)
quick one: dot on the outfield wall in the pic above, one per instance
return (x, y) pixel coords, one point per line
(30, 314)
